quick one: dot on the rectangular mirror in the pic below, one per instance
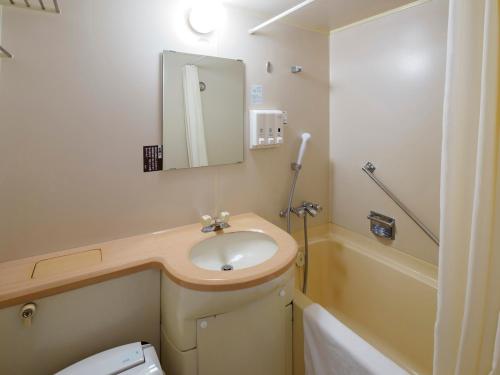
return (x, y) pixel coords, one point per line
(203, 110)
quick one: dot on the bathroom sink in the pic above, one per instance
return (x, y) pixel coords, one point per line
(236, 250)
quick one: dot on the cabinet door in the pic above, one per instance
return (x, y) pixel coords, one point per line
(248, 341)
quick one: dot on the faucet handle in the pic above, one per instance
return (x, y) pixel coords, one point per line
(316, 206)
(206, 220)
(300, 211)
(224, 217)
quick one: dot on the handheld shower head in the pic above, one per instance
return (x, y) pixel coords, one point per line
(296, 168)
(305, 137)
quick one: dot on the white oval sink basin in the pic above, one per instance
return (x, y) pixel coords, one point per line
(236, 250)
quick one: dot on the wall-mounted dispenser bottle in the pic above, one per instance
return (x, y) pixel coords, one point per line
(266, 128)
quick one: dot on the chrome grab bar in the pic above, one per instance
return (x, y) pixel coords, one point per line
(369, 168)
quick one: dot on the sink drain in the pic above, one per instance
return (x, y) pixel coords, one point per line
(227, 267)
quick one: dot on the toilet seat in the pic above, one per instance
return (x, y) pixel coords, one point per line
(135, 358)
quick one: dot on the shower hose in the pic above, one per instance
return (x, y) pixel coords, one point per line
(296, 169)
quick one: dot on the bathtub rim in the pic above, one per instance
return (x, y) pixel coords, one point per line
(422, 271)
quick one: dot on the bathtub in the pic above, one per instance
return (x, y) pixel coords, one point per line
(385, 296)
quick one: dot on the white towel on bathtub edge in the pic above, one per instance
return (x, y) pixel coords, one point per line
(331, 348)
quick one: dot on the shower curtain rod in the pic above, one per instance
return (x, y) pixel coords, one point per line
(369, 168)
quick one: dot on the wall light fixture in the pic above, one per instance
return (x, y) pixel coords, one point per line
(205, 15)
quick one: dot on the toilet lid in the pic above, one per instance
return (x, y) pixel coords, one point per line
(131, 358)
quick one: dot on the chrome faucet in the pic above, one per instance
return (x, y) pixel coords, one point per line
(210, 224)
(312, 209)
(309, 208)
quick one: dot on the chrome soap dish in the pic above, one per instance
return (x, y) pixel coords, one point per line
(381, 225)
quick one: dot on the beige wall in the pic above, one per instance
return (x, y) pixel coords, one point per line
(387, 87)
(83, 95)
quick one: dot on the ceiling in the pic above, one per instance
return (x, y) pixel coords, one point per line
(321, 15)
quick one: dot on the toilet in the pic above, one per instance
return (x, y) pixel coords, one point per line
(136, 358)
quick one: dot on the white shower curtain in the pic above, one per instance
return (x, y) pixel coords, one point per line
(467, 336)
(195, 127)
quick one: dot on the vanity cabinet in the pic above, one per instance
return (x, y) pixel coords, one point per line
(244, 332)
(248, 341)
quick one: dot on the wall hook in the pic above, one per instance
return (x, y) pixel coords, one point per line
(269, 67)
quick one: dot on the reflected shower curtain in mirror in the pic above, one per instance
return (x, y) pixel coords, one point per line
(467, 335)
(195, 128)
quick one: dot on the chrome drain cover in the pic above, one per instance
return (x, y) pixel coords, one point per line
(227, 267)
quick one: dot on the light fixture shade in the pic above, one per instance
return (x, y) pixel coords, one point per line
(204, 16)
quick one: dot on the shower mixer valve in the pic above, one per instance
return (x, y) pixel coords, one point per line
(312, 209)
